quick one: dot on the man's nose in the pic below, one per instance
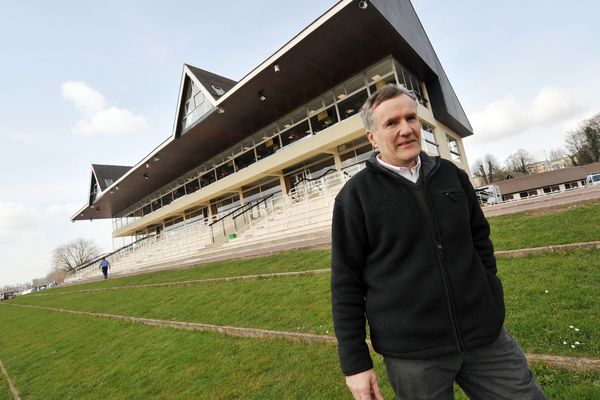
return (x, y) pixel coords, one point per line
(404, 128)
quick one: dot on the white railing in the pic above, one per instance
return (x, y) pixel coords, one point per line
(307, 205)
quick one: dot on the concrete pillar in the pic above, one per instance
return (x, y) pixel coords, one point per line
(338, 162)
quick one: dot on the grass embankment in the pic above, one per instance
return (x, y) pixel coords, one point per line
(574, 224)
(539, 320)
(4, 389)
(63, 356)
(293, 261)
(52, 355)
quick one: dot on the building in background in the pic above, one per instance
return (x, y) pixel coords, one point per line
(292, 118)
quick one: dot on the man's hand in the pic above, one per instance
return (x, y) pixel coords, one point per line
(364, 385)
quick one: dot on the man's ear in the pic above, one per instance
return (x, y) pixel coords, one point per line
(371, 138)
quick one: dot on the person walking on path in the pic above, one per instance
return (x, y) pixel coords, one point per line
(104, 266)
(412, 255)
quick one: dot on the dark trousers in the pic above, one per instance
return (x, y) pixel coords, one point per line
(493, 372)
(105, 272)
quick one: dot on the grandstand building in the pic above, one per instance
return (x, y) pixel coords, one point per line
(287, 133)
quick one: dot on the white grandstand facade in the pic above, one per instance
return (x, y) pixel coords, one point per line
(255, 164)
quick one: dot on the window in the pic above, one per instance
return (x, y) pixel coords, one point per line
(429, 143)
(192, 186)
(323, 119)
(351, 105)
(453, 146)
(108, 182)
(295, 133)
(196, 104)
(245, 159)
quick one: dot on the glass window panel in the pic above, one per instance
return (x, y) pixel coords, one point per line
(295, 133)
(245, 159)
(315, 106)
(428, 136)
(179, 192)
(156, 205)
(192, 186)
(299, 114)
(351, 105)
(208, 178)
(355, 83)
(431, 149)
(382, 82)
(166, 199)
(147, 209)
(323, 119)
(328, 99)
(376, 73)
(225, 169)
(267, 148)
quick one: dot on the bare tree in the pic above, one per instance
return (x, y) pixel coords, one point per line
(519, 161)
(77, 252)
(584, 142)
(488, 168)
(556, 154)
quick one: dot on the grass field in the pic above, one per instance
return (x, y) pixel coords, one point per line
(54, 355)
(574, 224)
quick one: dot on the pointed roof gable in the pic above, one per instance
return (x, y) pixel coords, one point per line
(215, 85)
(106, 175)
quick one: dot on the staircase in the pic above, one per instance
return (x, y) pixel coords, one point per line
(300, 218)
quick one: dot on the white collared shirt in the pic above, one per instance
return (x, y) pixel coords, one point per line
(412, 174)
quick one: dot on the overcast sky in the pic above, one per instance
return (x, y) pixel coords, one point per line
(97, 82)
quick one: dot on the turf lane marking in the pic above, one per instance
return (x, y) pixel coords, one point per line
(199, 281)
(571, 363)
(196, 326)
(13, 389)
(557, 248)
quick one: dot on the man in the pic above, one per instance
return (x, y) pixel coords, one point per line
(412, 255)
(104, 266)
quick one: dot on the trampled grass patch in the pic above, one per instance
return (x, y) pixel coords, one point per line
(578, 223)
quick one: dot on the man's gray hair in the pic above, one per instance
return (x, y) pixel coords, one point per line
(387, 92)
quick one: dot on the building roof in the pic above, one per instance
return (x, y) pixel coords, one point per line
(342, 42)
(549, 178)
(214, 84)
(110, 173)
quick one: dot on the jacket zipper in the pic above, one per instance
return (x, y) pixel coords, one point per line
(440, 250)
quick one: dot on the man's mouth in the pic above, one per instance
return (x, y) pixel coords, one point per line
(406, 143)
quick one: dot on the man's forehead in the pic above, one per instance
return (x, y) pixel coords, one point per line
(404, 98)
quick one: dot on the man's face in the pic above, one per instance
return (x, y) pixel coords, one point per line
(397, 131)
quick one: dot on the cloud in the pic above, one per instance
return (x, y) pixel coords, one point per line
(509, 117)
(98, 116)
(17, 221)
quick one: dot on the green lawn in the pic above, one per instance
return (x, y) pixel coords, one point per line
(539, 320)
(300, 260)
(62, 356)
(577, 223)
(4, 389)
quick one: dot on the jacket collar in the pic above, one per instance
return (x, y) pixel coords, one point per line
(428, 164)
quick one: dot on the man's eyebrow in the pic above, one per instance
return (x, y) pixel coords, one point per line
(390, 119)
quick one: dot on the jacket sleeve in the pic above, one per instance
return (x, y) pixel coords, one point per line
(480, 228)
(348, 289)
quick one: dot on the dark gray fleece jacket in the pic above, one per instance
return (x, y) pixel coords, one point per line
(420, 269)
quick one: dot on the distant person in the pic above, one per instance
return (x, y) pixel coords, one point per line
(412, 255)
(104, 266)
